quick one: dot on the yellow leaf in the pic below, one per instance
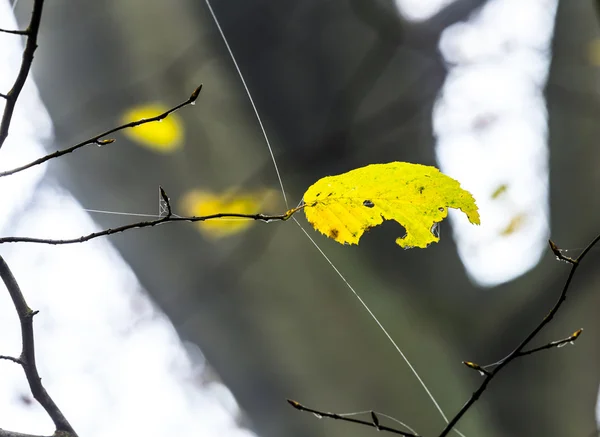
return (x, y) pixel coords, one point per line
(499, 191)
(515, 224)
(417, 196)
(593, 52)
(201, 203)
(162, 136)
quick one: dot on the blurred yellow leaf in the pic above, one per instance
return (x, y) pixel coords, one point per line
(593, 52)
(201, 203)
(499, 191)
(515, 224)
(162, 136)
(343, 207)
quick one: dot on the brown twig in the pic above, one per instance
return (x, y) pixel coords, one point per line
(374, 423)
(169, 218)
(477, 367)
(141, 225)
(30, 46)
(554, 344)
(27, 357)
(98, 138)
(6, 433)
(519, 351)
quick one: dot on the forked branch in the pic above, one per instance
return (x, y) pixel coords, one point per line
(374, 422)
(100, 140)
(169, 218)
(520, 350)
(27, 357)
(13, 95)
(489, 375)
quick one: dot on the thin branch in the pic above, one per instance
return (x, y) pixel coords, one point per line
(519, 351)
(6, 433)
(477, 367)
(150, 223)
(13, 359)
(15, 32)
(27, 357)
(553, 344)
(30, 46)
(373, 424)
(165, 198)
(98, 138)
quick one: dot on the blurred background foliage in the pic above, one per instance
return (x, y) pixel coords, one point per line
(339, 84)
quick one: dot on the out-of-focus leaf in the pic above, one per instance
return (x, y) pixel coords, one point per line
(515, 224)
(499, 191)
(343, 207)
(202, 203)
(162, 136)
(593, 52)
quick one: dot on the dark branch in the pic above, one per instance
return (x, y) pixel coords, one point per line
(98, 138)
(519, 351)
(13, 359)
(30, 46)
(15, 32)
(558, 343)
(150, 223)
(165, 198)
(6, 433)
(27, 358)
(374, 423)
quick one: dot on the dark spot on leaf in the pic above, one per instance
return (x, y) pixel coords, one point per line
(421, 190)
(318, 194)
(368, 204)
(329, 195)
(333, 233)
(441, 209)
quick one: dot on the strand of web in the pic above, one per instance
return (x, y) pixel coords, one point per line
(413, 370)
(262, 127)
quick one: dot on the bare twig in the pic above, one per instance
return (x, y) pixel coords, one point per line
(554, 344)
(165, 198)
(519, 351)
(30, 46)
(477, 367)
(169, 218)
(6, 433)
(150, 223)
(15, 32)
(98, 138)
(374, 423)
(13, 359)
(27, 358)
